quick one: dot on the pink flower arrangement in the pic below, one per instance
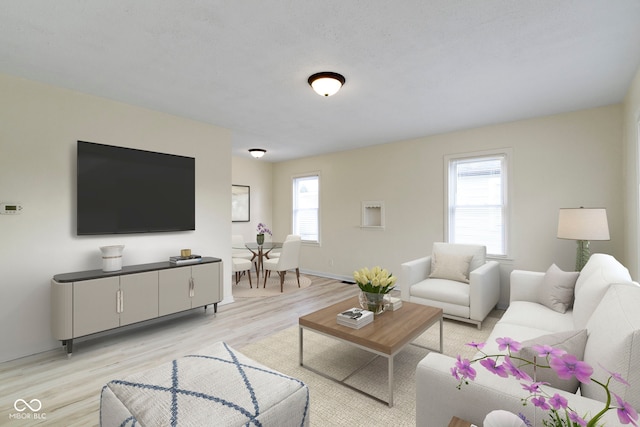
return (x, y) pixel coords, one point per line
(565, 365)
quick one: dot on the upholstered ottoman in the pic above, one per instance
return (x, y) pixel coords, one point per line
(218, 387)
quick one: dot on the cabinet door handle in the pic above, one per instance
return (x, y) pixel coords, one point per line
(192, 287)
(121, 301)
(118, 301)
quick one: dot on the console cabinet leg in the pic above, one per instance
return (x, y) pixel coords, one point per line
(215, 308)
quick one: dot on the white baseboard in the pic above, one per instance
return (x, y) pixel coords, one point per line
(329, 275)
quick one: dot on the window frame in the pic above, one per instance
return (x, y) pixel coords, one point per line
(506, 154)
(294, 179)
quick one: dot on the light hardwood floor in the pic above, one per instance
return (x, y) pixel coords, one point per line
(69, 389)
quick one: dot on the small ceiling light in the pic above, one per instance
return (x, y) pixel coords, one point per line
(326, 83)
(257, 152)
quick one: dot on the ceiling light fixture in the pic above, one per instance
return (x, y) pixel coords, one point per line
(326, 83)
(257, 152)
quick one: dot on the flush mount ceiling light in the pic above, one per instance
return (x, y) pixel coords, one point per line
(326, 83)
(257, 152)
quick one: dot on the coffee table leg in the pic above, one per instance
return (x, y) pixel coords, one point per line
(441, 323)
(300, 346)
(390, 381)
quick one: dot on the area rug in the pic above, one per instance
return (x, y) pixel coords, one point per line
(242, 289)
(334, 404)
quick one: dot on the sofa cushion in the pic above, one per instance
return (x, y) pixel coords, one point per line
(614, 343)
(596, 262)
(573, 342)
(450, 266)
(517, 332)
(557, 287)
(591, 290)
(449, 291)
(534, 315)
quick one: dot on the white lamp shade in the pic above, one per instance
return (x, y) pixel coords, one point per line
(583, 224)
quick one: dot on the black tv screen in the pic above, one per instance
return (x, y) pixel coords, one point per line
(123, 190)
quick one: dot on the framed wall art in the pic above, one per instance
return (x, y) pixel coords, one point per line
(240, 205)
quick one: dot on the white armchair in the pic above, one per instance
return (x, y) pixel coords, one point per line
(460, 281)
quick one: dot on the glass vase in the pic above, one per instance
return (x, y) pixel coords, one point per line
(260, 238)
(373, 301)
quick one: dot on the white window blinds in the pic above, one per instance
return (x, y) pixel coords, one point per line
(477, 202)
(306, 202)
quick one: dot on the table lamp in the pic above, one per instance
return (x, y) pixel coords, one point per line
(583, 225)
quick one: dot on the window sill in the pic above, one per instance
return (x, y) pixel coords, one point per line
(499, 258)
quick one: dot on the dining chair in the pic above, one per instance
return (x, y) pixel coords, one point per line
(289, 259)
(275, 253)
(240, 266)
(238, 248)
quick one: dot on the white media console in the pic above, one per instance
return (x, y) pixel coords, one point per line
(87, 302)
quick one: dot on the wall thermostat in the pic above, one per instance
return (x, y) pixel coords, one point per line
(10, 208)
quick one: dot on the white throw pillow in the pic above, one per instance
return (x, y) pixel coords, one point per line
(451, 267)
(573, 342)
(478, 252)
(557, 288)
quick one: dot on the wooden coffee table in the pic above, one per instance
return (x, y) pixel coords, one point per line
(386, 336)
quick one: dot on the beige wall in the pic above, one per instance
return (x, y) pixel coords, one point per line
(39, 127)
(632, 188)
(567, 160)
(257, 175)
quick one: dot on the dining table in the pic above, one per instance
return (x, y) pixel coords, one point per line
(260, 252)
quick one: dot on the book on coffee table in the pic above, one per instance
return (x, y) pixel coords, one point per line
(355, 318)
(394, 304)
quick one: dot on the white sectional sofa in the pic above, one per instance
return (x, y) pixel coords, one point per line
(606, 305)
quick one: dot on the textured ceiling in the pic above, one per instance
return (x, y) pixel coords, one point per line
(413, 67)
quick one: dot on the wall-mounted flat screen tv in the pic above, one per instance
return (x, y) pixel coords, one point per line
(124, 190)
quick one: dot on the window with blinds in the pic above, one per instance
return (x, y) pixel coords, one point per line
(306, 203)
(478, 202)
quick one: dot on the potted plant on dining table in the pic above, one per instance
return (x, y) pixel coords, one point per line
(262, 229)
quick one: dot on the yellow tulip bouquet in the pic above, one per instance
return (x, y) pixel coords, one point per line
(376, 281)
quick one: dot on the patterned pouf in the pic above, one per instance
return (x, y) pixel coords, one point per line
(219, 387)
